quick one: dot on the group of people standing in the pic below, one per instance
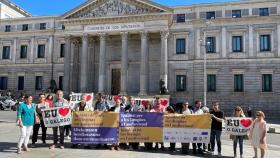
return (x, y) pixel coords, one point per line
(29, 117)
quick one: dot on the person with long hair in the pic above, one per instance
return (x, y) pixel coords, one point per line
(258, 134)
(25, 120)
(40, 106)
(238, 112)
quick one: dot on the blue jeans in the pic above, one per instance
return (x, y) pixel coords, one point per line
(216, 135)
(240, 141)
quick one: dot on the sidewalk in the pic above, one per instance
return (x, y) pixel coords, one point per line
(9, 134)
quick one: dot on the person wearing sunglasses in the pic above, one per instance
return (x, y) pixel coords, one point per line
(258, 134)
(238, 112)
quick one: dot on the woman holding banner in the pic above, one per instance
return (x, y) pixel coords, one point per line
(158, 108)
(59, 102)
(25, 120)
(116, 108)
(238, 112)
(258, 134)
(42, 105)
(82, 107)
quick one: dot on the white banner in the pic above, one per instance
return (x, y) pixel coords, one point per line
(186, 135)
(238, 125)
(55, 117)
(75, 99)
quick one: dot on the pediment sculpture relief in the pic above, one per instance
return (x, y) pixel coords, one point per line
(116, 8)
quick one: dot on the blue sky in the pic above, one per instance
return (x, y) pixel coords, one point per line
(58, 7)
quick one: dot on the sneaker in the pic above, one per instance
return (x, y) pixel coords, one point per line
(68, 138)
(44, 142)
(61, 146)
(52, 147)
(26, 149)
(74, 146)
(112, 147)
(19, 151)
(219, 155)
(117, 148)
(32, 145)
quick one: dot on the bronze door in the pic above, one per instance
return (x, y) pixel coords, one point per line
(116, 81)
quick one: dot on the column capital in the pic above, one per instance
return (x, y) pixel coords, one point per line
(102, 36)
(85, 36)
(144, 34)
(164, 34)
(124, 35)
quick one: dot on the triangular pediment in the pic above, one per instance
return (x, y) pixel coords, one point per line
(111, 8)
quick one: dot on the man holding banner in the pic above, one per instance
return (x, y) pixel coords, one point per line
(59, 102)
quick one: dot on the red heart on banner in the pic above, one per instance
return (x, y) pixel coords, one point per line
(145, 102)
(246, 122)
(164, 102)
(116, 97)
(63, 111)
(88, 98)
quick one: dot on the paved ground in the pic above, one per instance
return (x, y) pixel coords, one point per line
(9, 134)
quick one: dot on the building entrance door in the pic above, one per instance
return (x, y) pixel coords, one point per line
(116, 82)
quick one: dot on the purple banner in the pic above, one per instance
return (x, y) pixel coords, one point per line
(141, 119)
(93, 135)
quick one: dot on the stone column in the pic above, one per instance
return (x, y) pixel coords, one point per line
(164, 57)
(144, 63)
(224, 42)
(278, 40)
(67, 64)
(14, 52)
(102, 57)
(251, 42)
(198, 43)
(31, 55)
(84, 64)
(49, 53)
(124, 63)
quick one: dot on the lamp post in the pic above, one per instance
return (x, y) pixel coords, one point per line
(207, 46)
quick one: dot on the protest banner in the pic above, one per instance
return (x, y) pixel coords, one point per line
(145, 101)
(186, 128)
(140, 127)
(75, 99)
(238, 125)
(94, 128)
(55, 117)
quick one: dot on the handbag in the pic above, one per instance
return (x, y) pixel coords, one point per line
(37, 118)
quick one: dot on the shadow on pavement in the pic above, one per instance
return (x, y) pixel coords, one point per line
(8, 147)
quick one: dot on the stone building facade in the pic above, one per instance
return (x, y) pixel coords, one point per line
(128, 46)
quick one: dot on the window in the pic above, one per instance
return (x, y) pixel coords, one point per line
(62, 50)
(181, 18)
(264, 43)
(180, 46)
(3, 83)
(6, 52)
(264, 12)
(237, 44)
(210, 45)
(8, 28)
(21, 83)
(211, 83)
(236, 13)
(63, 27)
(210, 15)
(41, 51)
(60, 82)
(39, 83)
(42, 26)
(267, 82)
(181, 82)
(238, 83)
(25, 27)
(23, 51)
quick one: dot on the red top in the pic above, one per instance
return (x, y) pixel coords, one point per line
(50, 103)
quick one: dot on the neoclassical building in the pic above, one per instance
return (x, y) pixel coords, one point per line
(128, 46)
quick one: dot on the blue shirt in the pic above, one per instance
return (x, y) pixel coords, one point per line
(26, 114)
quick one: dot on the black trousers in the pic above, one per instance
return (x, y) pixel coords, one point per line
(61, 135)
(197, 146)
(36, 130)
(67, 130)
